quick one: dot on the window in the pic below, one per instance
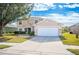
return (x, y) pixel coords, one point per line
(20, 22)
(25, 29)
(20, 29)
(36, 21)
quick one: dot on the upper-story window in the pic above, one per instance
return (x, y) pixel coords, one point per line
(20, 29)
(20, 22)
(36, 21)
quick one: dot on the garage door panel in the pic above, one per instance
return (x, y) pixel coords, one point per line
(47, 32)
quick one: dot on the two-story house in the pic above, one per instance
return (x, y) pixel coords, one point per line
(28, 25)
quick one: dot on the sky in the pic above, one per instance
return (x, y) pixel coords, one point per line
(65, 13)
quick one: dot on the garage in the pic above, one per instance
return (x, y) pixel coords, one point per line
(47, 28)
(47, 32)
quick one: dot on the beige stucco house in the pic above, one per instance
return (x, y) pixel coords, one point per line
(41, 26)
(28, 25)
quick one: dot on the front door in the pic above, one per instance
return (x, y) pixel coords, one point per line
(29, 30)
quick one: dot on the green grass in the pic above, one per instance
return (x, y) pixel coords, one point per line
(14, 39)
(69, 39)
(75, 51)
(4, 46)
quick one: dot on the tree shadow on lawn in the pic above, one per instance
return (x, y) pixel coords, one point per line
(4, 39)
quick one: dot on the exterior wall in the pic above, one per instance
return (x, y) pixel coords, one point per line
(60, 31)
(28, 23)
(32, 28)
(20, 28)
(25, 24)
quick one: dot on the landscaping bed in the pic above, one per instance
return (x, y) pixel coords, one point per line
(69, 39)
(4, 46)
(75, 51)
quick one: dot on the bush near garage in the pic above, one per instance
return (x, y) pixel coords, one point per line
(31, 33)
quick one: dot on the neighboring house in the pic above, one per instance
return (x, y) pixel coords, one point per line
(12, 24)
(10, 27)
(41, 26)
(74, 29)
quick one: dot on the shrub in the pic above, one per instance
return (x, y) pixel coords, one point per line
(20, 32)
(62, 38)
(31, 33)
(65, 29)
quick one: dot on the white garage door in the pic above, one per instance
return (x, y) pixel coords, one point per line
(47, 32)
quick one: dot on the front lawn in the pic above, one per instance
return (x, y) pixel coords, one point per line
(75, 51)
(69, 39)
(4, 46)
(14, 39)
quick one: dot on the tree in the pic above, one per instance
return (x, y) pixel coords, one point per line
(12, 11)
(65, 29)
(76, 31)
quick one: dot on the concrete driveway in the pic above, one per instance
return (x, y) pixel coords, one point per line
(40, 46)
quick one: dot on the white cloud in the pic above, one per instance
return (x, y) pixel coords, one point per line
(69, 20)
(72, 6)
(69, 15)
(42, 6)
(75, 14)
(46, 6)
(55, 15)
(60, 6)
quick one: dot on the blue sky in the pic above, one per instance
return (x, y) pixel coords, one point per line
(66, 13)
(60, 8)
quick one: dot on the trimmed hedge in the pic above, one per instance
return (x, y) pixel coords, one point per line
(20, 32)
(31, 33)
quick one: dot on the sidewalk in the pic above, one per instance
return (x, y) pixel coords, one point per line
(7, 43)
(71, 46)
